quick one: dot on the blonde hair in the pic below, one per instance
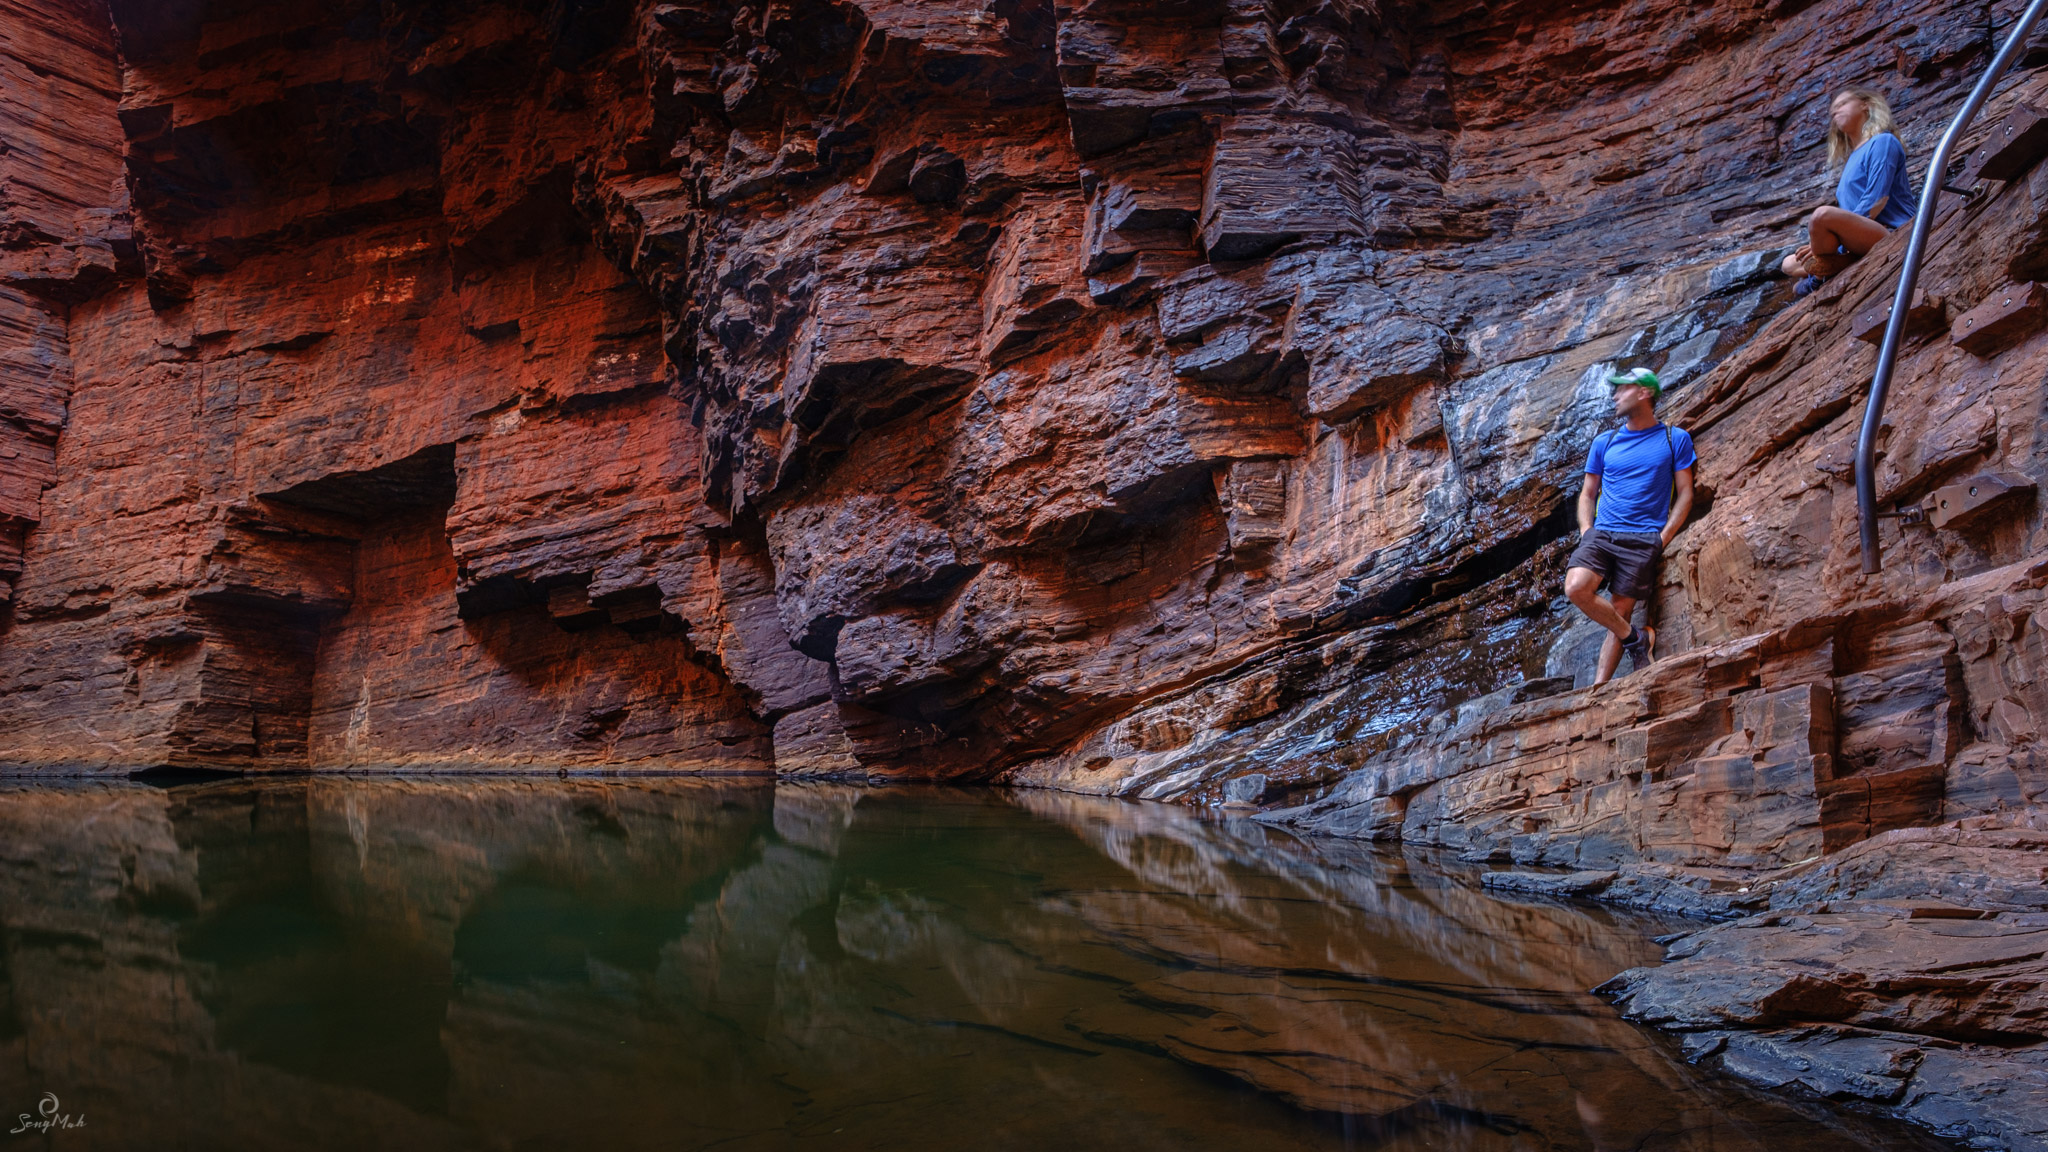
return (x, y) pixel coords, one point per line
(1877, 119)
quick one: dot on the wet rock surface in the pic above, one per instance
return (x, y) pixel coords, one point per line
(1906, 972)
(1708, 893)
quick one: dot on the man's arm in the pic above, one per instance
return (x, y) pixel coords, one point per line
(1589, 500)
(1681, 505)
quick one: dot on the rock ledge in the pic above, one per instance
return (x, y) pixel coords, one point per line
(1906, 973)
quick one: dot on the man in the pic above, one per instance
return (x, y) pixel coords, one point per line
(1639, 478)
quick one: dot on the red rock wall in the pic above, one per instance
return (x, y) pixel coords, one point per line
(1802, 706)
(63, 231)
(257, 551)
(939, 389)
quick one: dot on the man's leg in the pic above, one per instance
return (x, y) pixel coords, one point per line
(1582, 588)
(1610, 648)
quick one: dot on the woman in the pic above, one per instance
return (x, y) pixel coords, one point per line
(1873, 194)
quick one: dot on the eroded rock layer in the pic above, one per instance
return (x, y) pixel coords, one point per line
(1181, 399)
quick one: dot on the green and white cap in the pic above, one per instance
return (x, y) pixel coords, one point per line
(1642, 376)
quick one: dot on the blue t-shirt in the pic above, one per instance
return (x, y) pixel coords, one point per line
(1636, 472)
(1877, 169)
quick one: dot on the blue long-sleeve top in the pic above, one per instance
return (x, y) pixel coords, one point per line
(1877, 170)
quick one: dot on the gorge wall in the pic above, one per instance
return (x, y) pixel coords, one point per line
(1167, 399)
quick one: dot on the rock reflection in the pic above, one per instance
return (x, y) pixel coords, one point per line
(494, 963)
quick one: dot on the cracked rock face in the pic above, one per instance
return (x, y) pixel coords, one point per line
(1906, 973)
(945, 389)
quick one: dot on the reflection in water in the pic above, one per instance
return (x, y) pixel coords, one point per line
(487, 963)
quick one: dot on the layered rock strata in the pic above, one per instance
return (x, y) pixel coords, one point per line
(1905, 972)
(870, 388)
(1800, 707)
(1175, 400)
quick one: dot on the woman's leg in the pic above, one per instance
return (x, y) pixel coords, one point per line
(1833, 228)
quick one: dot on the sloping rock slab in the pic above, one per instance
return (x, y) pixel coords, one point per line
(1985, 1096)
(1909, 972)
(1879, 967)
(1972, 863)
(1708, 893)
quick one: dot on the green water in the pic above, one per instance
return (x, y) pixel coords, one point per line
(494, 964)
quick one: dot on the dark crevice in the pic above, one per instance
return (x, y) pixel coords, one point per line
(1415, 589)
(421, 480)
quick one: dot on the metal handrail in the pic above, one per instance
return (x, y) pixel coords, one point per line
(1909, 277)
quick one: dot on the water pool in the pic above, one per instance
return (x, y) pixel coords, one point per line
(498, 963)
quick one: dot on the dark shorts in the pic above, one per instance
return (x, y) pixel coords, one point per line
(1626, 561)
